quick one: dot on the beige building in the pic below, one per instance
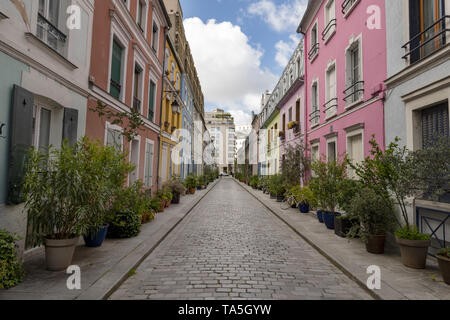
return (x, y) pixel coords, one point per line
(221, 126)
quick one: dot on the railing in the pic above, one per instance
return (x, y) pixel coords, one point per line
(313, 51)
(151, 115)
(354, 92)
(422, 42)
(332, 103)
(314, 116)
(136, 104)
(116, 86)
(328, 28)
(347, 5)
(51, 35)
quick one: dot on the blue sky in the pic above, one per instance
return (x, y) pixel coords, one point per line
(240, 48)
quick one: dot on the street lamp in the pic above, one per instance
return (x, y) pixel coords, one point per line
(175, 107)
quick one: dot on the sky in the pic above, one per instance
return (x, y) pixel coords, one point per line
(240, 49)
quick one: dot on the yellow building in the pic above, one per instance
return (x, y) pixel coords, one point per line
(171, 115)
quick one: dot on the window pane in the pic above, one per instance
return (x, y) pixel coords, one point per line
(116, 70)
(151, 102)
(44, 130)
(53, 12)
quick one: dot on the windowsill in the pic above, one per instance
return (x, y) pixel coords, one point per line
(354, 104)
(311, 60)
(330, 35)
(331, 116)
(31, 37)
(351, 8)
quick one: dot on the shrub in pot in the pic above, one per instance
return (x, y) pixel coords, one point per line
(11, 271)
(191, 183)
(343, 225)
(57, 185)
(155, 204)
(254, 181)
(305, 199)
(376, 215)
(176, 188)
(443, 257)
(200, 182)
(413, 246)
(277, 187)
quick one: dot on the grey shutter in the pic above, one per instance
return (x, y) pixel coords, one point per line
(434, 123)
(70, 126)
(21, 142)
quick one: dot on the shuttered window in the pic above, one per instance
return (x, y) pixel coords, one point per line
(434, 123)
(116, 70)
(151, 101)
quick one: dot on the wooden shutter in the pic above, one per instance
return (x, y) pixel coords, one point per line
(21, 142)
(434, 123)
(70, 125)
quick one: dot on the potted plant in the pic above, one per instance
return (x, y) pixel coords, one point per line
(305, 199)
(348, 189)
(292, 125)
(443, 257)
(376, 215)
(254, 181)
(56, 187)
(201, 182)
(191, 183)
(11, 270)
(277, 187)
(176, 188)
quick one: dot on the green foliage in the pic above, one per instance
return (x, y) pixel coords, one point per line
(374, 211)
(411, 233)
(191, 181)
(302, 195)
(254, 181)
(277, 185)
(126, 224)
(263, 183)
(201, 180)
(155, 204)
(295, 164)
(347, 190)
(327, 181)
(11, 272)
(175, 186)
(165, 194)
(444, 252)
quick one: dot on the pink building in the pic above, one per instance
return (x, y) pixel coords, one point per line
(345, 66)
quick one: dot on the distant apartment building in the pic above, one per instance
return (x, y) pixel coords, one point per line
(220, 125)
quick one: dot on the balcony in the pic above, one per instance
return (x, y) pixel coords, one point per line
(329, 30)
(348, 6)
(314, 51)
(314, 117)
(330, 108)
(51, 35)
(354, 93)
(428, 41)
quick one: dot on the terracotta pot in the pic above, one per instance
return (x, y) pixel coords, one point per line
(162, 206)
(59, 253)
(444, 265)
(168, 203)
(414, 252)
(375, 244)
(192, 190)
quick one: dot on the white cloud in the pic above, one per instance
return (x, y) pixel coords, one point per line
(285, 50)
(229, 68)
(282, 17)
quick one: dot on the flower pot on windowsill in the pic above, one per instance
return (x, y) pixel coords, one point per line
(59, 253)
(414, 252)
(95, 239)
(444, 266)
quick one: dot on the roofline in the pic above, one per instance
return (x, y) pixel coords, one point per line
(161, 3)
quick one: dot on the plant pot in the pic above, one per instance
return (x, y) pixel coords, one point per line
(192, 190)
(95, 240)
(199, 188)
(59, 253)
(303, 207)
(176, 198)
(168, 203)
(343, 226)
(320, 216)
(375, 244)
(162, 206)
(280, 198)
(294, 206)
(444, 265)
(414, 252)
(272, 196)
(328, 218)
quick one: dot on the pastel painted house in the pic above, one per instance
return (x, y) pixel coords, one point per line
(345, 66)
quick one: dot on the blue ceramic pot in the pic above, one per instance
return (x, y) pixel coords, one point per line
(320, 216)
(328, 218)
(304, 208)
(96, 240)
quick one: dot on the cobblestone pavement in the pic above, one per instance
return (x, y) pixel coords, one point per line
(232, 247)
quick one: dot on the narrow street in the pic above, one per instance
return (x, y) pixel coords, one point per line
(232, 247)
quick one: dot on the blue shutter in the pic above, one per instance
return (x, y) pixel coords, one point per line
(21, 142)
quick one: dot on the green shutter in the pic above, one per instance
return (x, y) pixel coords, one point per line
(116, 69)
(151, 102)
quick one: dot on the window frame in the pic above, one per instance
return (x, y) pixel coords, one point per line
(146, 164)
(331, 65)
(354, 41)
(328, 22)
(108, 125)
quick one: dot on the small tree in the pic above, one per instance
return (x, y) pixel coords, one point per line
(294, 164)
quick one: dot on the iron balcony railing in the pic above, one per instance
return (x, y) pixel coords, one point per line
(347, 4)
(136, 104)
(151, 115)
(51, 35)
(313, 51)
(354, 92)
(332, 103)
(428, 41)
(315, 115)
(116, 85)
(328, 28)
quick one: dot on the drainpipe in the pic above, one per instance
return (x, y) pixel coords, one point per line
(161, 107)
(305, 83)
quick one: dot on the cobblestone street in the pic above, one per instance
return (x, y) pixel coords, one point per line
(232, 247)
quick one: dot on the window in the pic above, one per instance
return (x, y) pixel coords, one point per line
(314, 42)
(290, 114)
(355, 150)
(114, 136)
(354, 91)
(148, 171)
(140, 15)
(137, 88)
(116, 70)
(151, 101)
(284, 122)
(155, 37)
(315, 114)
(41, 128)
(348, 6)
(315, 155)
(48, 28)
(330, 21)
(331, 151)
(435, 123)
(427, 28)
(297, 112)
(331, 104)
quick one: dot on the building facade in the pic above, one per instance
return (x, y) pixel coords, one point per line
(43, 90)
(345, 66)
